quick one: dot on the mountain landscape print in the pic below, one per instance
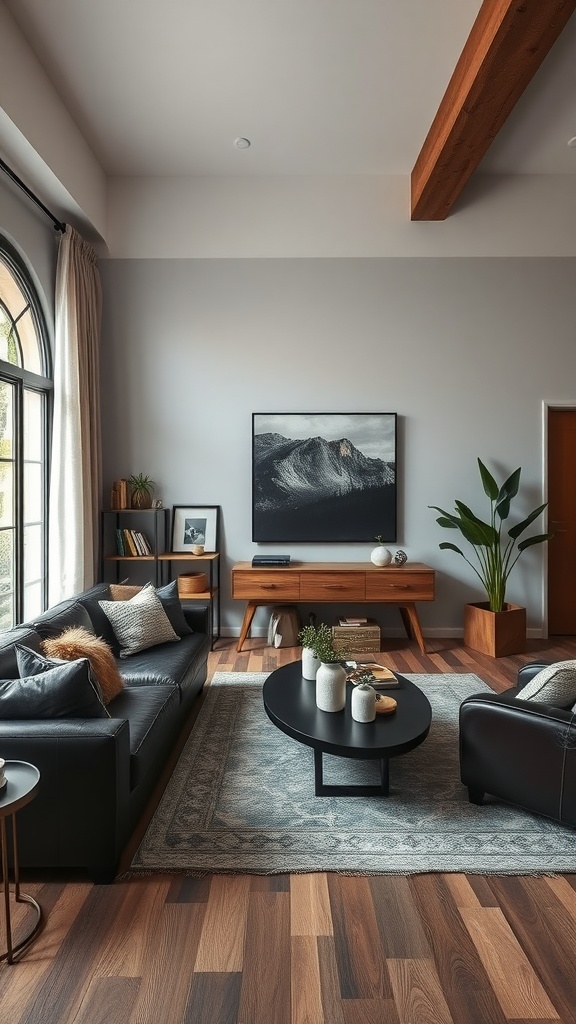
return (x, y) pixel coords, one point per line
(323, 477)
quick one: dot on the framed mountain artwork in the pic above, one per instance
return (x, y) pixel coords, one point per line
(323, 477)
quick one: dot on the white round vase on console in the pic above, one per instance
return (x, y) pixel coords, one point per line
(310, 663)
(331, 686)
(363, 703)
(381, 555)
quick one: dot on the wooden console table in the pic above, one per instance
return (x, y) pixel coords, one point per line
(342, 582)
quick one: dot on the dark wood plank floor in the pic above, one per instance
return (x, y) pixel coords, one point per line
(306, 949)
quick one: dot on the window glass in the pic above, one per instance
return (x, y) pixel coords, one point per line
(24, 392)
(7, 581)
(33, 425)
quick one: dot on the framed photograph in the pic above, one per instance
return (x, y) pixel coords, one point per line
(323, 477)
(195, 524)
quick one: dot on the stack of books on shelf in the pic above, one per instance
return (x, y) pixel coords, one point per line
(132, 543)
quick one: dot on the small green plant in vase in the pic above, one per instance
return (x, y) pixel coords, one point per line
(324, 647)
(142, 488)
(310, 662)
(331, 675)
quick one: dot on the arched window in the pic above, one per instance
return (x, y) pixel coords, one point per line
(25, 401)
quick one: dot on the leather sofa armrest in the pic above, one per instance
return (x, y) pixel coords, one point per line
(83, 800)
(198, 618)
(520, 751)
(509, 701)
(527, 672)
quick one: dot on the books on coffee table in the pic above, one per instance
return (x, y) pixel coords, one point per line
(382, 677)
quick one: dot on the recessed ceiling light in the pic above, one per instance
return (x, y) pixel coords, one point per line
(572, 142)
(242, 143)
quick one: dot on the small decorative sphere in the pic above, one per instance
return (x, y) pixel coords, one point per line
(400, 557)
(381, 555)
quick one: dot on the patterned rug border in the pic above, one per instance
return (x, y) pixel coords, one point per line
(196, 839)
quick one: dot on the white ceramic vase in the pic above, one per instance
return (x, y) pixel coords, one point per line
(381, 555)
(363, 703)
(310, 663)
(331, 686)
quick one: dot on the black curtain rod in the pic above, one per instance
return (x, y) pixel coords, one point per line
(58, 224)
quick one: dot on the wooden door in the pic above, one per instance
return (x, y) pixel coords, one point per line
(562, 521)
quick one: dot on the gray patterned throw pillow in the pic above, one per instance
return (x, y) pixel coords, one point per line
(139, 623)
(555, 685)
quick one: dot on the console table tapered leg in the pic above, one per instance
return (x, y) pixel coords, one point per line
(412, 624)
(246, 622)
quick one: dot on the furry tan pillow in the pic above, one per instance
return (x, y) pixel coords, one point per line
(76, 642)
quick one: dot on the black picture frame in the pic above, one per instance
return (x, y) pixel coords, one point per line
(324, 477)
(195, 524)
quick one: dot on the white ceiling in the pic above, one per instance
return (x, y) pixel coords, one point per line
(318, 86)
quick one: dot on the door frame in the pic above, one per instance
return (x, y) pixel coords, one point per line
(548, 404)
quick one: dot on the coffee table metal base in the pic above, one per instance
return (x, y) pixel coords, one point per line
(321, 789)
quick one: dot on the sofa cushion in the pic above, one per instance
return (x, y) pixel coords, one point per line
(140, 622)
(153, 713)
(77, 643)
(554, 685)
(8, 641)
(101, 624)
(169, 664)
(170, 602)
(56, 620)
(64, 691)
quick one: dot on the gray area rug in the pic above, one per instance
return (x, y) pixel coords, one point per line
(241, 799)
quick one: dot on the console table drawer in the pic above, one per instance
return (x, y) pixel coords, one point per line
(275, 585)
(400, 586)
(332, 586)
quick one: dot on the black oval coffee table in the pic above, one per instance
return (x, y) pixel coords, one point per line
(290, 703)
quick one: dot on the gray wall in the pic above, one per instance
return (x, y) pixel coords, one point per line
(32, 234)
(464, 350)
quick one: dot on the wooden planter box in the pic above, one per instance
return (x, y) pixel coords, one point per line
(497, 634)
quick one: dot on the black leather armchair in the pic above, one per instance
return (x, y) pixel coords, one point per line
(520, 751)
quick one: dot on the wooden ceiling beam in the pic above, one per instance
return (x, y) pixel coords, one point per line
(506, 46)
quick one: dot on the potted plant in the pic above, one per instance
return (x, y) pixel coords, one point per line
(310, 663)
(142, 487)
(331, 674)
(495, 626)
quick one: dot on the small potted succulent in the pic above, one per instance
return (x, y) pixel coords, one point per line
(142, 488)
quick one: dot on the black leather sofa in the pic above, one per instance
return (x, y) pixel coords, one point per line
(97, 774)
(520, 751)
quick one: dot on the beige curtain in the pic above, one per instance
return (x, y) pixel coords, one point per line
(76, 467)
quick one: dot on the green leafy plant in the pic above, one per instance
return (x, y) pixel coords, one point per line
(141, 488)
(496, 555)
(307, 635)
(141, 484)
(322, 643)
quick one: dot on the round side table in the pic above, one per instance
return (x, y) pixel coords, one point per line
(22, 780)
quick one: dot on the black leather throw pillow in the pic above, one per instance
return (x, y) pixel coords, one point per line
(65, 691)
(173, 608)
